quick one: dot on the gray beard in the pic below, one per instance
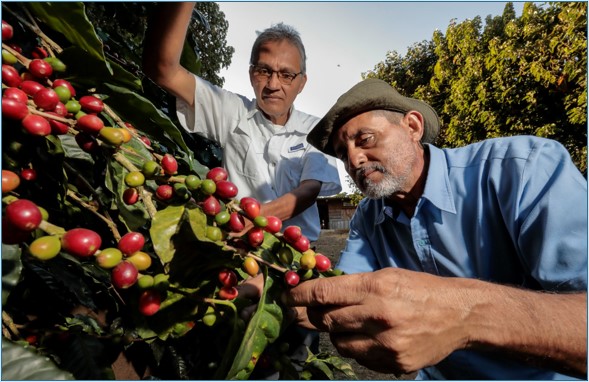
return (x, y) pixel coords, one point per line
(386, 187)
(389, 184)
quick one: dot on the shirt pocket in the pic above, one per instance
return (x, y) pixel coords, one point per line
(290, 167)
(241, 154)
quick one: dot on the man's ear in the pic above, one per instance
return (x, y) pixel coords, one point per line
(416, 124)
(251, 74)
(303, 82)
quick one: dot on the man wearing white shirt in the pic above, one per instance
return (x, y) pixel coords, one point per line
(264, 140)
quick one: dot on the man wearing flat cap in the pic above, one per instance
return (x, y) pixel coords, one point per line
(465, 263)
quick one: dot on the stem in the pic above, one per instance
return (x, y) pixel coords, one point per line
(9, 325)
(22, 59)
(107, 109)
(175, 179)
(208, 300)
(244, 253)
(130, 152)
(34, 110)
(145, 195)
(51, 229)
(106, 217)
(260, 260)
(35, 28)
(115, 117)
(111, 225)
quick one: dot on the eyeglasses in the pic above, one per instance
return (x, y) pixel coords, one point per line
(264, 74)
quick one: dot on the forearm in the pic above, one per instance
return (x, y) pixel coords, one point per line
(294, 202)
(544, 329)
(164, 42)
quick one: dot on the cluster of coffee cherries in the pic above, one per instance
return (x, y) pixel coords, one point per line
(44, 104)
(125, 261)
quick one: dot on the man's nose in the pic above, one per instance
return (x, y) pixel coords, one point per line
(273, 81)
(356, 158)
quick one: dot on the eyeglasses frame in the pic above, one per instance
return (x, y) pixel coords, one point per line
(255, 68)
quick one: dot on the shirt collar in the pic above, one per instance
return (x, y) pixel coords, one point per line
(292, 124)
(437, 187)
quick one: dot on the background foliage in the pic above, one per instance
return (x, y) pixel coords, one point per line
(512, 76)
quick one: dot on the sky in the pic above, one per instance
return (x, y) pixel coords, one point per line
(342, 39)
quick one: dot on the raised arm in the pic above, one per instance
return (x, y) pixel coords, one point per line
(162, 50)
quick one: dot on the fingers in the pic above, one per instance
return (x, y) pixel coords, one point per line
(247, 312)
(299, 316)
(252, 288)
(366, 351)
(341, 290)
(366, 319)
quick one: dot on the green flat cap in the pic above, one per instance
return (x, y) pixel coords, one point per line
(370, 94)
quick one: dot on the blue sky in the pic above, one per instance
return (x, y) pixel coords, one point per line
(342, 39)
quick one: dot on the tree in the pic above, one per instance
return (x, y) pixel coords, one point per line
(515, 75)
(121, 26)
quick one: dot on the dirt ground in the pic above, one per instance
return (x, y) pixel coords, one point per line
(331, 243)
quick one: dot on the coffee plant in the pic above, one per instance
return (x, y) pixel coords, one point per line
(118, 247)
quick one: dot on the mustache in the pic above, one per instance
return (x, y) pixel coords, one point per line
(360, 172)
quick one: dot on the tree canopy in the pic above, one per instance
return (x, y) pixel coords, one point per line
(507, 76)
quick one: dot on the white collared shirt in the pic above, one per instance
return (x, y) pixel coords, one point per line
(264, 161)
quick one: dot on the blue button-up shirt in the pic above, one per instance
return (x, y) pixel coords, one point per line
(506, 210)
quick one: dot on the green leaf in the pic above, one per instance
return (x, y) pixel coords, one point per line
(86, 323)
(62, 276)
(70, 20)
(23, 363)
(72, 149)
(198, 222)
(87, 72)
(11, 269)
(133, 216)
(164, 226)
(263, 329)
(324, 363)
(88, 358)
(142, 114)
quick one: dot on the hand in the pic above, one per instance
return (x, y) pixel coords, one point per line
(251, 289)
(391, 320)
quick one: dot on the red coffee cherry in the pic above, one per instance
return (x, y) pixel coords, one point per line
(124, 275)
(24, 215)
(322, 262)
(149, 302)
(227, 277)
(292, 278)
(81, 242)
(169, 164)
(131, 242)
(91, 104)
(217, 174)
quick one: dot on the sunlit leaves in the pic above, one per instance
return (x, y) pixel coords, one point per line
(509, 76)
